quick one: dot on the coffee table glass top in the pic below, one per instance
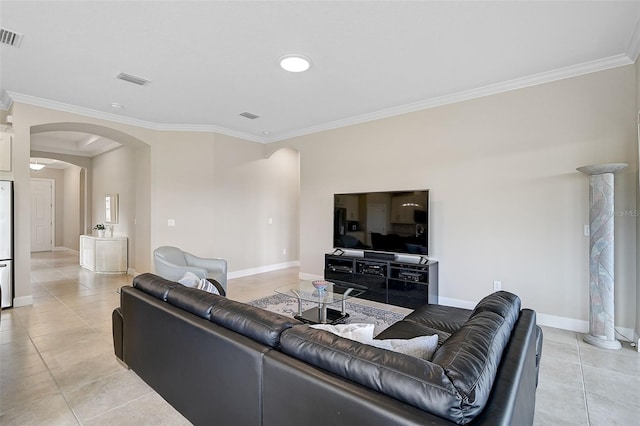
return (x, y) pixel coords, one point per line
(333, 293)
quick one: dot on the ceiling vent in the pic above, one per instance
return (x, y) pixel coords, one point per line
(9, 37)
(249, 115)
(132, 79)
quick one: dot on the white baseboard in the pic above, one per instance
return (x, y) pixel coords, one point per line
(22, 301)
(456, 303)
(132, 272)
(63, 248)
(571, 324)
(262, 269)
(542, 319)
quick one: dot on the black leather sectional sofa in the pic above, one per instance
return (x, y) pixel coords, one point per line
(223, 362)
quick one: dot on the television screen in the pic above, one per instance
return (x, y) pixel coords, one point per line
(391, 221)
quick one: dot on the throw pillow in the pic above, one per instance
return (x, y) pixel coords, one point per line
(362, 333)
(420, 347)
(189, 279)
(207, 286)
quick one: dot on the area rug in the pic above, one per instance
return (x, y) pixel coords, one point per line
(284, 305)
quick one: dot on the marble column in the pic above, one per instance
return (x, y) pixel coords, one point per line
(601, 255)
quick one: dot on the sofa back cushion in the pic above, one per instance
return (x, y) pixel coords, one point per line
(258, 324)
(154, 285)
(198, 302)
(503, 303)
(411, 380)
(470, 359)
(262, 326)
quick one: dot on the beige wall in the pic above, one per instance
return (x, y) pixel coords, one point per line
(637, 110)
(72, 209)
(506, 200)
(142, 219)
(115, 173)
(220, 190)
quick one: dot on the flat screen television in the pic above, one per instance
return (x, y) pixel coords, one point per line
(389, 221)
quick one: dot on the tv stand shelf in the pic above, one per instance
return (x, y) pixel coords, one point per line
(409, 284)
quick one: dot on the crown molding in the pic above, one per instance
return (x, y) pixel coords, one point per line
(493, 89)
(60, 106)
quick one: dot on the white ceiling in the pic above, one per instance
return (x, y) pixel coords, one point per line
(209, 61)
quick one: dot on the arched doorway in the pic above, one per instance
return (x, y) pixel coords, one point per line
(90, 176)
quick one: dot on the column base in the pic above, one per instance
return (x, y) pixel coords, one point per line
(601, 343)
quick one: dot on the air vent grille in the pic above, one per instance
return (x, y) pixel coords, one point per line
(10, 38)
(249, 115)
(132, 79)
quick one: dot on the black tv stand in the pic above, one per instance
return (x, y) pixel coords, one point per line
(409, 283)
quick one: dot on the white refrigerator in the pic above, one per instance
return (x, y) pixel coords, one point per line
(6, 242)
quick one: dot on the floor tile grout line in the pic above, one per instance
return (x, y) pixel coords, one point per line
(584, 387)
(54, 379)
(119, 406)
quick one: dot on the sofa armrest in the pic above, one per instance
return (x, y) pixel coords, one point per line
(214, 268)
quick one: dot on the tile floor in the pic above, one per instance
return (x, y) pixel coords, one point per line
(57, 365)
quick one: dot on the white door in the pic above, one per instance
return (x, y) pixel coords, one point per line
(41, 215)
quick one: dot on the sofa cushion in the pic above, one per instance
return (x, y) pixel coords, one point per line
(262, 326)
(193, 300)
(411, 380)
(419, 346)
(154, 285)
(503, 303)
(470, 359)
(438, 317)
(409, 330)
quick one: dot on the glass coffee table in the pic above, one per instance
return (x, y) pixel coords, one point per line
(321, 314)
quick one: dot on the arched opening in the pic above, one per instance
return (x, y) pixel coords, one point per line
(86, 161)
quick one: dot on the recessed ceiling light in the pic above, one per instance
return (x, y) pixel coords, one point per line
(266, 132)
(295, 63)
(36, 166)
(117, 105)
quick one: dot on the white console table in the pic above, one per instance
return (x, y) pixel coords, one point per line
(104, 255)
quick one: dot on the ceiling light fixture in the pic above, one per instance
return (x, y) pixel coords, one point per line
(35, 166)
(116, 105)
(295, 63)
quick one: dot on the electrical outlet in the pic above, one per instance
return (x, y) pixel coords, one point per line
(497, 285)
(284, 251)
(587, 231)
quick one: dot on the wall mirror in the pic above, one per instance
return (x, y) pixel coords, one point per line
(111, 208)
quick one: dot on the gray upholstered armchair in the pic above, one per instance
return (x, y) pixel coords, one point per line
(171, 263)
